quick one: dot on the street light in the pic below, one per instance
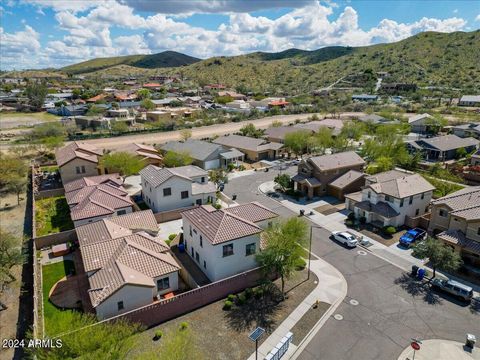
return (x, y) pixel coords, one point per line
(310, 248)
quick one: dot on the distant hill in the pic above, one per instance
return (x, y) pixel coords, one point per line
(306, 57)
(164, 59)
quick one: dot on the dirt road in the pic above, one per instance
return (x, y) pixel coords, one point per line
(116, 143)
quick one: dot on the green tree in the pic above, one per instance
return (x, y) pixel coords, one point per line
(223, 99)
(147, 104)
(12, 167)
(284, 249)
(144, 94)
(175, 159)
(440, 256)
(461, 153)
(185, 134)
(353, 130)
(321, 140)
(10, 255)
(276, 123)
(119, 127)
(82, 338)
(382, 164)
(284, 181)
(17, 186)
(95, 110)
(217, 176)
(297, 141)
(36, 93)
(124, 163)
(250, 130)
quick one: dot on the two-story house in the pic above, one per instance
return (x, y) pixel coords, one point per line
(224, 242)
(455, 220)
(389, 197)
(77, 160)
(174, 188)
(335, 175)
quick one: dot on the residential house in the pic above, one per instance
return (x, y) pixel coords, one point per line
(475, 159)
(335, 175)
(397, 87)
(147, 153)
(121, 115)
(224, 242)
(254, 149)
(376, 119)
(455, 220)
(442, 148)
(469, 100)
(204, 154)
(77, 160)
(93, 198)
(467, 130)
(277, 134)
(126, 263)
(389, 198)
(174, 188)
(70, 110)
(335, 125)
(364, 98)
(266, 102)
(232, 94)
(421, 123)
(158, 115)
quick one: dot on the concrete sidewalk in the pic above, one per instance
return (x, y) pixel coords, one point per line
(331, 288)
(437, 349)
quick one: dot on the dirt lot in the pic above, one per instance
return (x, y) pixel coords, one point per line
(12, 220)
(214, 328)
(15, 120)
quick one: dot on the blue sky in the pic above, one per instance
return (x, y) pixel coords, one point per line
(54, 33)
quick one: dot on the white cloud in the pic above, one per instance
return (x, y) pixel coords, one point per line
(62, 5)
(19, 48)
(477, 18)
(455, 11)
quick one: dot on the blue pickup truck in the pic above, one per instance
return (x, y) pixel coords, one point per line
(411, 236)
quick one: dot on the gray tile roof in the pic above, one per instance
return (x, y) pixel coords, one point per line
(387, 176)
(247, 143)
(457, 237)
(408, 185)
(205, 188)
(449, 142)
(418, 117)
(197, 149)
(336, 161)
(470, 98)
(157, 176)
(380, 208)
(220, 226)
(280, 131)
(335, 124)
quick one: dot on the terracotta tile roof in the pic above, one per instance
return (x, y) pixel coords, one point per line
(93, 180)
(336, 161)
(96, 98)
(408, 185)
(464, 203)
(151, 85)
(457, 237)
(220, 226)
(145, 151)
(346, 179)
(77, 150)
(253, 212)
(206, 188)
(116, 227)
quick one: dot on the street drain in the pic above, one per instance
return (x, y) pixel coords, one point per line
(354, 302)
(361, 252)
(338, 317)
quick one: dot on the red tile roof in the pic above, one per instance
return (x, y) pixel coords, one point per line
(77, 150)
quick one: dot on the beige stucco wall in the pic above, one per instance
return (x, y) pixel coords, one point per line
(68, 171)
(472, 230)
(438, 222)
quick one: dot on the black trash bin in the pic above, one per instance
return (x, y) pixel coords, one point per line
(414, 270)
(234, 197)
(302, 212)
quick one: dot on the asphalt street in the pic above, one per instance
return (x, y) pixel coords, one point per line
(383, 309)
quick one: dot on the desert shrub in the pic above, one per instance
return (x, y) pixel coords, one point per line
(184, 325)
(171, 236)
(241, 299)
(231, 297)
(227, 305)
(158, 334)
(248, 293)
(258, 293)
(300, 264)
(389, 230)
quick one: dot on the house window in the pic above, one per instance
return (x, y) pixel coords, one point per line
(401, 202)
(442, 213)
(184, 194)
(369, 194)
(203, 179)
(387, 198)
(80, 169)
(163, 284)
(423, 196)
(426, 209)
(121, 212)
(167, 191)
(250, 249)
(193, 251)
(478, 231)
(197, 257)
(201, 241)
(199, 202)
(227, 250)
(190, 230)
(120, 306)
(204, 264)
(194, 231)
(411, 200)
(417, 212)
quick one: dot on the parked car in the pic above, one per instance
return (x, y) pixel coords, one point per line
(453, 287)
(345, 238)
(411, 236)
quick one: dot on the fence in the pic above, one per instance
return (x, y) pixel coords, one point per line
(44, 194)
(54, 239)
(420, 221)
(168, 309)
(165, 216)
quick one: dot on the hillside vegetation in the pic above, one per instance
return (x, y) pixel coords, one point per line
(427, 59)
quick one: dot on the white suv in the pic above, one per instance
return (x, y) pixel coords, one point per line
(345, 238)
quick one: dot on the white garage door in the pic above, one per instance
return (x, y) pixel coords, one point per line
(212, 164)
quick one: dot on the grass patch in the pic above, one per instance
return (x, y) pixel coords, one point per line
(51, 168)
(52, 215)
(50, 275)
(442, 188)
(43, 116)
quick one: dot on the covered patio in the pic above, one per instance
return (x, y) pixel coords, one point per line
(310, 186)
(232, 156)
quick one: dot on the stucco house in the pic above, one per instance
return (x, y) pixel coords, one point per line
(421, 123)
(174, 188)
(442, 148)
(147, 153)
(127, 265)
(389, 197)
(467, 130)
(204, 154)
(475, 159)
(469, 100)
(93, 198)
(455, 220)
(254, 149)
(224, 242)
(77, 160)
(335, 175)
